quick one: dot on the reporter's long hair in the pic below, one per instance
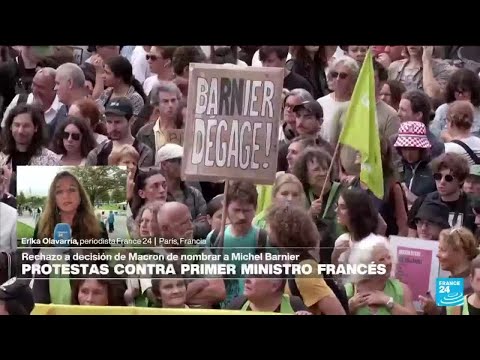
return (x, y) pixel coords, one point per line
(85, 226)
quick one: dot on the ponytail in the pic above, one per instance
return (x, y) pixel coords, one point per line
(138, 88)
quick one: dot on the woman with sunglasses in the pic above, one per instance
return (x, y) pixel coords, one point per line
(464, 84)
(449, 172)
(73, 140)
(342, 77)
(160, 61)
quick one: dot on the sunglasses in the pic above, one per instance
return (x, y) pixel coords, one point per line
(335, 75)
(151, 57)
(66, 135)
(439, 177)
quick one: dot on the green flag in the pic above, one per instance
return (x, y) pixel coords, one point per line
(360, 130)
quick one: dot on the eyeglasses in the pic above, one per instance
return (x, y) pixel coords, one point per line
(342, 75)
(151, 57)
(66, 135)
(421, 222)
(439, 177)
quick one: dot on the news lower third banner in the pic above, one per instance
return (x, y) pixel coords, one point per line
(174, 262)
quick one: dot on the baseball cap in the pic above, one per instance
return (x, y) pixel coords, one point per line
(18, 291)
(119, 106)
(312, 106)
(169, 152)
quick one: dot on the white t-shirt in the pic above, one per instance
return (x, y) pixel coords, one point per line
(140, 66)
(8, 230)
(330, 107)
(472, 142)
(150, 83)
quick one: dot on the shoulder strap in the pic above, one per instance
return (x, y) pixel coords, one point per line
(216, 243)
(468, 150)
(22, 99)
(292, 285)
(261, 239)
(465, 306)
(245, 306)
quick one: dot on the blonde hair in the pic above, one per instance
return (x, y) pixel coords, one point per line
(123, 151)
(460, 114)
(460, 238)
(288, 179)
(86, 224)
(154, 207)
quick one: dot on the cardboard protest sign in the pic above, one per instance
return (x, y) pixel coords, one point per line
(416, 264)
(233, 116)
(174, 136)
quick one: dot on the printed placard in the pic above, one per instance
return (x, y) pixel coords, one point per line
(233, 117)
(416, 265)
(175, 136)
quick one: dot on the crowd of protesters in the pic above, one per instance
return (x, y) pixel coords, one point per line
(115, 105)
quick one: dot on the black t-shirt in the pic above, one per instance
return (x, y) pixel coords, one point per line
(473, 310)
(295, 81)
(20, 159)
(460, 211)
(238, 302)
(14, 79)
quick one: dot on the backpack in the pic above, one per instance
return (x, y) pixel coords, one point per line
(22, 99)
(339, 291)
(216, 242)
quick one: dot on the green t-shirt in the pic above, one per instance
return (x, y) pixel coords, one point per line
(233, 244)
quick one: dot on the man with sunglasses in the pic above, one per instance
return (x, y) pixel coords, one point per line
(159, 60)
(449, 172)
(387, 120)
(119, 112)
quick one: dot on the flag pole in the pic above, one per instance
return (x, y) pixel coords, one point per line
(330, 168)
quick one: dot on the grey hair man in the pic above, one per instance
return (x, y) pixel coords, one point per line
(341, 77)
(70, 87)
(164, 97)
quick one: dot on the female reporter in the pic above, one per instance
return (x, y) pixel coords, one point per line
(68, 202)
(292, 230)
(98, 292)
(377, 294)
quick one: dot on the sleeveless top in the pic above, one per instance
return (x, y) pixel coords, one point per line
(393, 288)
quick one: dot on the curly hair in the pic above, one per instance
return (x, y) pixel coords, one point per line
(300, 167)
(460, 238)
(292, 227)
(465, 80)
(242, 191)
(39, 139)
(363, 217)
(456, 163)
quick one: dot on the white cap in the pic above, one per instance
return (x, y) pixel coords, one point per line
(168, 152)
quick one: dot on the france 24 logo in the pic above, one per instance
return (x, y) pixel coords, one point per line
(449, 292)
